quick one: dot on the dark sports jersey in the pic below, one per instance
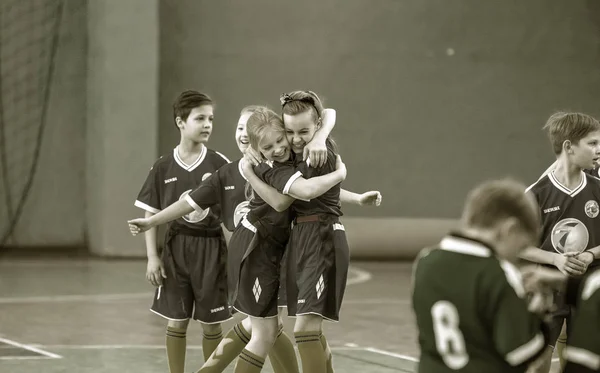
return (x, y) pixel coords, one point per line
(276, 175)
(570, 222)
(226, 188)
(471, 312)
(583, 350)
(171, 179)
(327, 203)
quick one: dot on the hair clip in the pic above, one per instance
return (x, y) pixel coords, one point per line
(285, 98)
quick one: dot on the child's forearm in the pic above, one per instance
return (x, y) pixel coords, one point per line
(150, 238)
(533, 254)
(269, 194)
(349, 197)
(327, 123)
(308, 189)
(174, 211)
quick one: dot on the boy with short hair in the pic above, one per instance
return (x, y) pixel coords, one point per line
(568, 200)
(190, 276)
(468, 297)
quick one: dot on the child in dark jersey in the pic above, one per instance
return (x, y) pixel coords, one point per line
(318, 254)
(194, 241)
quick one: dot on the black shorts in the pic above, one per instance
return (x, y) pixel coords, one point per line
(257, 275)
(282, 296)
(196, 283)
(562, 313)
(317, 270)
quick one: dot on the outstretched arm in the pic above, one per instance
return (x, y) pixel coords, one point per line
(370, 198)
(203, 197)
(174, 211)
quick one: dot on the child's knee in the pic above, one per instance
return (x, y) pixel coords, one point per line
(265, 332)
(211, 328)
(247, 324)
(179, 324)
(266, 336)
(308, 323)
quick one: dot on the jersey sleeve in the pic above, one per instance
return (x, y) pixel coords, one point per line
(583, 350)
(280, 177)
(307, 171)
(207, 194)
(303, 169)
(148, 198)
(517, 333)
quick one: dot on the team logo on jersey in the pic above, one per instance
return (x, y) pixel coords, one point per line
(240, 211)
(194, 216)
(570, 236)
(591, 208)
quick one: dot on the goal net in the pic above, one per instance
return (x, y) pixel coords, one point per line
(29, 31)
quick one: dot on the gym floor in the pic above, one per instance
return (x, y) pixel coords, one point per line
(91, 315)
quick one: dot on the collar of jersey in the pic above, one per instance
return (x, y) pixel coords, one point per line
(566, 190)
(189, 167)
(458, 243)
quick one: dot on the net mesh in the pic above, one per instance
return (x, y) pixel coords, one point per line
(29, 31)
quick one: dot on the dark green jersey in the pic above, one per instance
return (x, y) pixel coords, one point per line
(471, 312)
(583, 350)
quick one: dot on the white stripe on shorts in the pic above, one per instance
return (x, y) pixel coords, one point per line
(248, 225)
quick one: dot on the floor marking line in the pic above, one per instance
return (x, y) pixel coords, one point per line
(149, 347)
(30, 348)
(410, 358)
(25, 357)
(392, 354)
(362, 276)
(377, 301)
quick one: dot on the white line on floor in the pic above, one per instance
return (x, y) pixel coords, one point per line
(361, 276)
(392, 354)
(30, 348)
(149, 347)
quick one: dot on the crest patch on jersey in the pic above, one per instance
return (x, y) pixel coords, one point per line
(591, 208)
(240, 211)
(570, 236)
(194, 216)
